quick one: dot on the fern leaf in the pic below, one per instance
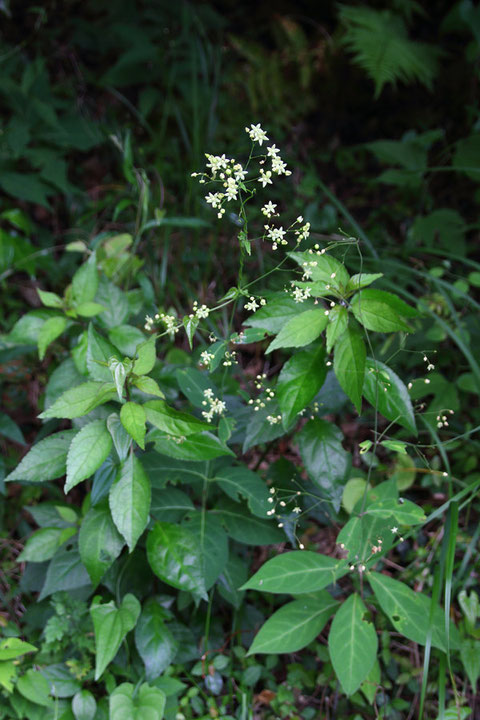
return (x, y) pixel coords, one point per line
(380, 45)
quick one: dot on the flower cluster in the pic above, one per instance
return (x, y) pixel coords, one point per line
(216, 406)
(253, 305)
(169, 321)
(206, 358)
(201, 312)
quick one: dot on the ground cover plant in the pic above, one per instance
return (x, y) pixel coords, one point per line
(239, 429)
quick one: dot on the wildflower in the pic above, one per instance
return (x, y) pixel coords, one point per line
(273, 151)
(394, 530)
(273, 420)
(217, 406)
(206, 358)
(279, 167)
(265, 177)
(216, 162)
(252, 304)
(256, 133)
(269, 209)
(214, 199)
(239, 173)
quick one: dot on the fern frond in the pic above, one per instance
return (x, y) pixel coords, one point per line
(380, 45)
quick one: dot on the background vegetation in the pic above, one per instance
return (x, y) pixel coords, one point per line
(107, 109)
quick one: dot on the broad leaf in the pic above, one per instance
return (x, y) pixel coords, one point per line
(352, 643)
(387, 393)
(35, 688)
(323, 269)
(50, 331)
(47, 460)
(239, 482)
(301, 330)
(244, 527)
(273, 316)
(133, 419)
(88, 450)
(155, 643)
(111, 624)
(300, 379)
(402, 512)
(337, 324)
(193, 383)
(381, 311)
(234, 575)
(199, 446)
(44, 543)
(148, 386)
(122, 441)
(294, 625)
(85, 282)
(99, 352)
(169, 504)
(99, 542)
(357, 282)
(174, 556)
(84, 705)
(320, 444)
(171, 421)
(80, 400)
(349, 365)
(127, 339)
(297, 572)
(129, 500)
(147, 704)
(408, 610)
(212, 542)
(13, 647)
(146, 356)
(65, 572)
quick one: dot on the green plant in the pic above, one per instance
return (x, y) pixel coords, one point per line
(172, 473)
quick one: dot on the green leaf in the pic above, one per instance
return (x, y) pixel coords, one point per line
(89, 309)
(244, 527)
(80, 400)
(47, 460)
(297, 572)
(200, 446)
(174, 556)
(387, 393)
(44, 543)
(35, 688)
(371, 683)
(111, 624)
(403, 512)
(470, 656)
(300, 379)
(65, 572)
(148, 386)
(99, 542)
(294, 625)
(146, 356)
(190, 324)
(320, 444)
(301, 330)
(10, 429)
(13, 647)
(50, 331)
(129, 500)
(357, 282)
(99, 352)
(337, 325)
(147, 704)
(88, 450)
(273, 316)
(352, 644)
(133, 418)
(84, 705)
(85, 282)
(171, 421)
(126, 338)
(239, 482)
(408, 610)
(349, 365)
(155, 643)
(234, 575)
(381, 311)
(192, 383)
(61, 681)
(122, 441)
(353, 491)
(324, 269)
(212, 543)
(50, 299)
(259, 431)
(170, 504)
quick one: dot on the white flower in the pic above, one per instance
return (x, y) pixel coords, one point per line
(206, 357)
(269, 209)
(265, 177)
(394, 530)
(277, 234)
(214, 199)
(202, 312)
(256, 133)
(273, 151)
(217, 162)
(252, 304)
(278, 166)
(239, 173)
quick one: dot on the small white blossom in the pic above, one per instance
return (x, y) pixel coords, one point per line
(256, 133)
(206, 357)
(252, 304)
(273, 151)
(394, 530)
(265, 177)
(269, 209)
(279, 167)
(214, 199)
